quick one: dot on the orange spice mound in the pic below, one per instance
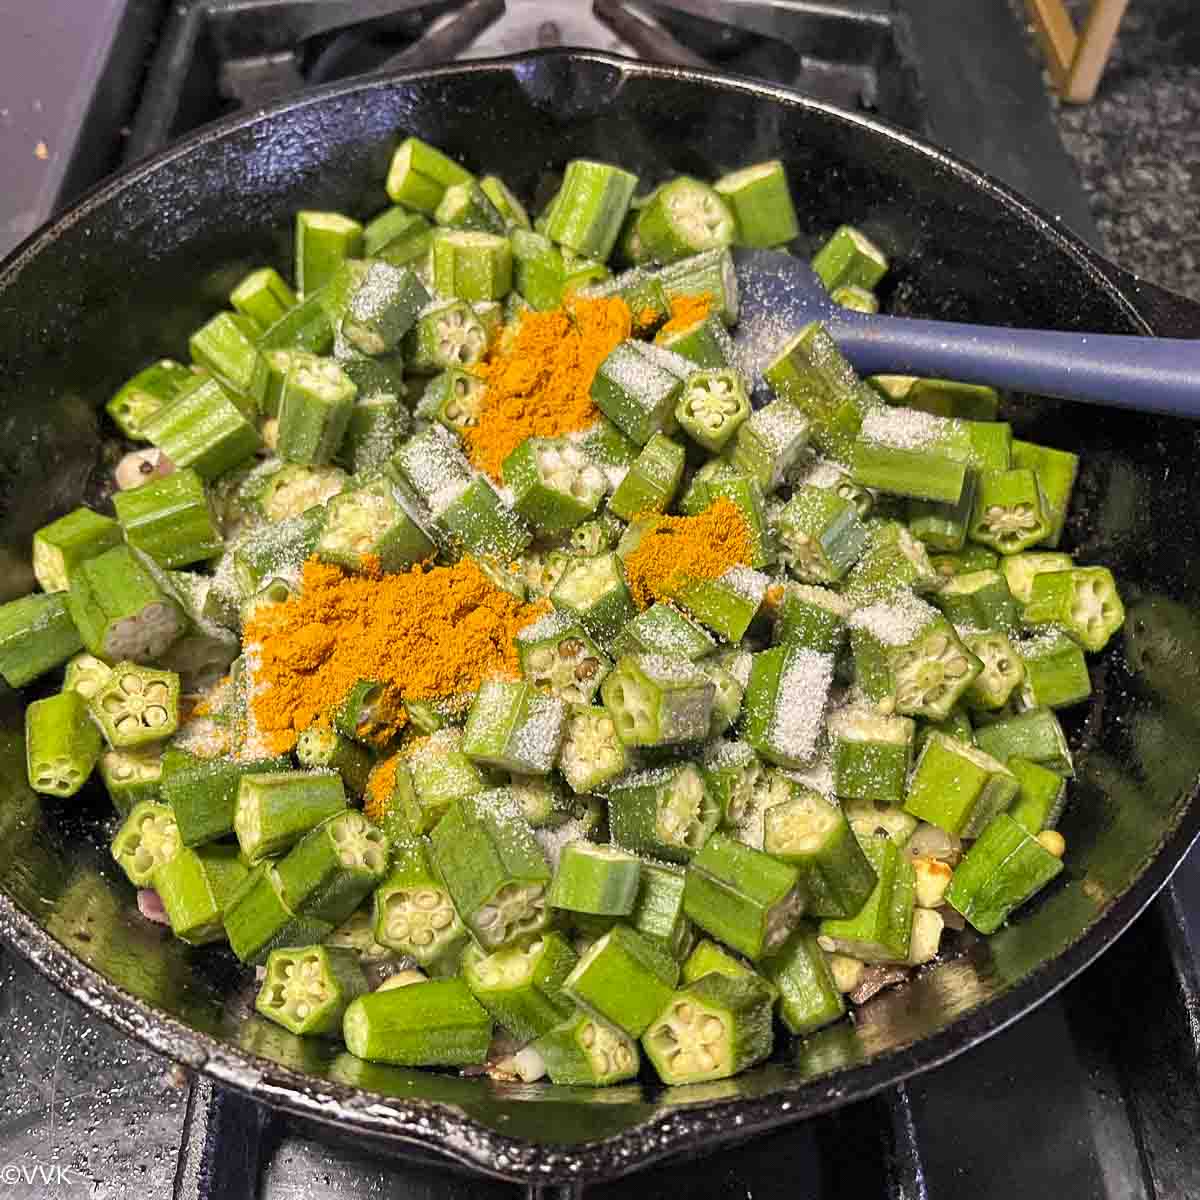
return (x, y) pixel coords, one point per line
(701, 547)
(686, 311)
(539, 386)
(428, 632)
(381, 783)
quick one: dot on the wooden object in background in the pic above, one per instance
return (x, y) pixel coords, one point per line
(1076, 60)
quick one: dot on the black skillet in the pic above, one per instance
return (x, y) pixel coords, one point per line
(122, 277)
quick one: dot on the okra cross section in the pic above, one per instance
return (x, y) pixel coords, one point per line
(131, 776)
(554, 484)
(785, 703)
(732, 776)
(413, 912)
(1003, 669)
(656, 700)
(712, 407)
(493, 867)
(62, 746)
(148, 837)
(522, 984)
(136, 705)
(663, 813)
(379, 519)
(1009, 513)
(586, 1050)
(203, 794)
(515, 727)
(308, 990)
(683, 217)
(591, 878)
(595, 591)
(624, 979)
(821, 535)
(635, 391)
(592, 752)
(275, 810)
(745, 898)
(711, 1029)
(1083, 601)
(957, 787)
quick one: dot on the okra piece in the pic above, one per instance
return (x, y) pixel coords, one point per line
(711, 1029)
(147, 839)
(1020, 570)
(892, 561)
(554, 484)
(308, 990)
(711, 273)
(324, 240)
(712, 407)
(119, 608)
(257, 920)
(624, 979)
(665, 813)
(849, 257)
(719, 479)
(367, 712)
(585, 1050)
(321, 748)
(1035, 735)
(592, 753)
(493, 868)
(514, 727)
(136, 705)
(334, 867)
(761, 203)
(636, 392)
(419, 176)
(683, 218)
(451, 335)
(785, 701)
(595, 879)
(170, 520)
(663, 629)
(1003, 670)
(203, 794)
(465, 206)
(149, 391)
(37, 633)
(909, 453)
(810, 618)
(204, 429)
(293, 488)
(1056, 471)
(412, 909)
(590, 206)
(908, 657)
(440, 773)
(58, 548)
(314, 411)
(882, 929)
(195, 887)
(557, 655)
(382, 307)
(472, 519)
(263, 297)
(1009, 513)
(305, 327)
(131, 776)
(398, 236)
(225, 346)
(471, 264)
(943, 526)
(942, 397)
(769, 443)
(521, 985)
(657, 912)
(703, 342)
(1041, 796)
(274, 810)
(538, 270)
(743, 897)
(821, 535)
(1054, 670)
(456, 399)
(1083, 602)
(651, 482)
(871, 753)
(967, 560)
(507, 205)
(814, 836)
(809, 998)
(85, 674)
(707, 957)
(1002, 870)
(727, 604)
(656, 700)
(732, 776)
(957, 787)
(855, 298)
(874, 818)
(437, 1023)
(979, 600)
(379, 520)
(594, 591)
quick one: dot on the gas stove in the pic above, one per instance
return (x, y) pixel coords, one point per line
(1076, 1100)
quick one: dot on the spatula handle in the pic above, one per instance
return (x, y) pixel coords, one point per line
(1154, 374)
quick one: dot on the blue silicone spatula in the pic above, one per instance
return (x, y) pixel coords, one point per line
(780, 293)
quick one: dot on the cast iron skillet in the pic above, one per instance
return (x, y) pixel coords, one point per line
(123, 277)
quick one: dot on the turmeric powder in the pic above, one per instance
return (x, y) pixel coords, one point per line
(687, 311)
(540, 384)
(700, 547)
(381, 786)
(429, 632)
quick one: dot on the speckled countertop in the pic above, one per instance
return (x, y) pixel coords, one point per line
(1137, 143)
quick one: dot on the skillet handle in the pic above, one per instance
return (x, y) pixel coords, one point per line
(1150, 374)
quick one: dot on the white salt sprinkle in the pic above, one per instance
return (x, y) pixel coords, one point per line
(895, 621)
(800, 703)
(905, 428)
(748, 583)
(537, 740)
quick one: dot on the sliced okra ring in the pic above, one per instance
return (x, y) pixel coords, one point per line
(472, 519)
(585, 1050)
(465, 206)
(871, 754)
(1035, 735)
(58, 548)
(1054, 671)
(367, 714)
(651, 482)
(979, 600)
(1082, 601)
(665, 813)
(663, 629)
(309, 989)
(314, 411)
(61, 744)
(321, 748)
(657, 701)
(1020, 570)
(413, 912)
(148, 837)
(891, 561)
(1009, 513)
(813, 618)
(770, 442)
(761, 203)
(440, 773)
(203, 794)
(204, 428)
(590, 207)
(557, 655)
(471, 265)
(437, 1023)
(324, 240)
(419, 175)
(542, 571)
(594, 590)
(1003, 670)
(849, 257)
(170, 520)
(150, 390)
(623, 978)
(263, 296)
(785, 704)
(194, 887)
(875, 818)
(514, 727)
(821, 535)
(493, 867)
(37, 633)
(225, 345)
(881, 930)
(1041, 796)
(857, 299)
(294, 488)
(506, 204)
(595, 879)
(712, 407)
(457, 397)
(957, 787)
(522, 984)
(1003, 869)
(451, 335)
(131, 776)
(136, 705)
(1056, 471)
(276, 809)
(257, 920)
(809, 996)
(732, 774)
(635, 391)
(684, 217)
(592, 753)
(711, 1029)
(554, 484)
(743, 897)
(727, 604)
(942, 526)
(378, 520)
(815, 837)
